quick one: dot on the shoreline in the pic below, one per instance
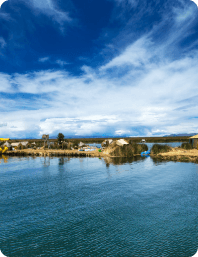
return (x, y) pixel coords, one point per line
(176, 154)
(60, 152)
(50, 152)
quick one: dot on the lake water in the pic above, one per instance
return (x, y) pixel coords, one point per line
(172, 144)
(96, 207)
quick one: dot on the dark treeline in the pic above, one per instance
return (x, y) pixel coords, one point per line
(100, 140)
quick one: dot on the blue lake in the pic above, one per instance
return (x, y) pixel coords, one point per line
(172, 144)
(98, 207)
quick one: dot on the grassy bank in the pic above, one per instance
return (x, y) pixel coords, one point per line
(175, 158)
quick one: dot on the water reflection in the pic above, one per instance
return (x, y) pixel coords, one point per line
(121, 160)
(4, 158)
(46, 162)
(158, 161)
(61, 161)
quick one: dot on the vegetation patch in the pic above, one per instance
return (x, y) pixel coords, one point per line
(157, 148)
(187, 146)
(184, 159)
(129, 150)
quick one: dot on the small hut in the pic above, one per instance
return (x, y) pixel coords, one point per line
(81, 144)
(107, 142)
(194, 140)
(15, 145)
(121, 142)
(8, 145)
(24, 143)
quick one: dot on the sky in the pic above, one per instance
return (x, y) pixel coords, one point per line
(98, 68)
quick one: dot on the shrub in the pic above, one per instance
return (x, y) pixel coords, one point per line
(186, 146)
(69, 146)
(64, 146)
(157, 148)
(54, 146)
(76, 143)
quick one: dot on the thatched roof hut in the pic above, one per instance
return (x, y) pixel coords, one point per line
(81, 144)
(107, 142)
(25, 143)
(121, 142)
(15, 144)
(8, 145)
(194, 141)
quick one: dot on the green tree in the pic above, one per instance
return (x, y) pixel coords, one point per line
(75, 143)
(60, 138)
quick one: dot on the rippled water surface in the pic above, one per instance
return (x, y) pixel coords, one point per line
(97, 207)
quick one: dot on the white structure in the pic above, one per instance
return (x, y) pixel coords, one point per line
(15, 144)
(25, 143)
(8, 145)
(81, 144)
(121, 142)
(107, 141)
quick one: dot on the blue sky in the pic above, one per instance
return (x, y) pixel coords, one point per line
(98, 68)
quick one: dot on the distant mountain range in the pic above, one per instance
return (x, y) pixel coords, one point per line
(103, 136)
(73, 137)
(182, 135)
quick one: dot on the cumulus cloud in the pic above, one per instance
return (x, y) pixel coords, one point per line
(147, 105)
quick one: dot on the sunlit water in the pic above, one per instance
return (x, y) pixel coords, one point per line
(172, 144)
(95, 207)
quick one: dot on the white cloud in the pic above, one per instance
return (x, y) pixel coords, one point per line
(44, 59)
(155, 95)
(61, 63)
(49, 8)
(122, 132)
(135, 54)
(153, 103)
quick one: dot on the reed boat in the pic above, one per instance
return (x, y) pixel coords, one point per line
(2, 151)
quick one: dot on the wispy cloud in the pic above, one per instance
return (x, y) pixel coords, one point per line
(44, 59)
(61, 63)
(49, 7)
(48, 60)
(2, 42)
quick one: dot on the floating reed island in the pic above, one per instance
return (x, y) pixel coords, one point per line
(119, 148)
(185, 153)
(52, 152)
(111, 148)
